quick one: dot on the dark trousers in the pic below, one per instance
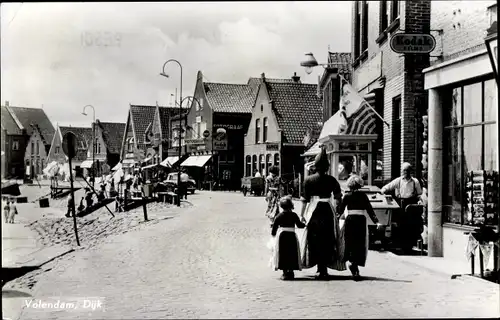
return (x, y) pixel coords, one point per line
(409, 222)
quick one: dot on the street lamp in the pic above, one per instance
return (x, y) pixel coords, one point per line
(180, 129)
(93, 140)
(311, 62)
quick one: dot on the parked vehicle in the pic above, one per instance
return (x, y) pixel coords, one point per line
(254, 185)
(172, 181)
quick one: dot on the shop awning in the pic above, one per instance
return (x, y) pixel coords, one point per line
(150, 166)
(196, 161)
(169, 161)
(87, 164)
(313, 150)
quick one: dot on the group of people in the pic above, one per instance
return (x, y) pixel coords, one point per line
(9, 210)
(88, 199)
(336, 228)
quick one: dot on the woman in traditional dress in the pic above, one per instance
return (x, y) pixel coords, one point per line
(273, 183)
(287, 248)
(355, 227)
(321, 244)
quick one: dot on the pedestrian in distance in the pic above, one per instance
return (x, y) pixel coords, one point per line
(71, 203)
(354, 227)
(80, 208)
(321, 244)
(286, 253)
(12, 211)
(88, 198)
(272, 192)
(6, 210)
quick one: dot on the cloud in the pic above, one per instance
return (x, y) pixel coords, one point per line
(54, 53)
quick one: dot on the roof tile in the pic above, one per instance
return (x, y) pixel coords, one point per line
(142, 116)
(83, 135)
(8, 123)
(113, 135)
(230, 98)
(35, 116)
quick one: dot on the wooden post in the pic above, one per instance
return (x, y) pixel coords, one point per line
(144, 204)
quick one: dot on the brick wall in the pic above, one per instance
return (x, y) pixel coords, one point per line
(464, 25)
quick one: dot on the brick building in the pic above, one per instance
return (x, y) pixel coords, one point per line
(83, 137)
(14, 140)
(283, 112)
(462, 129)
(395, 81)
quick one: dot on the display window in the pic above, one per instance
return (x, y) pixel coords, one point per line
(470, 155)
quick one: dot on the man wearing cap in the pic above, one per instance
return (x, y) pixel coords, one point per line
(407, 191)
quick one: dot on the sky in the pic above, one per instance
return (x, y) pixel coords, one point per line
(64, 56)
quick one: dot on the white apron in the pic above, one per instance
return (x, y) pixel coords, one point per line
(275, 247)
(338, 264)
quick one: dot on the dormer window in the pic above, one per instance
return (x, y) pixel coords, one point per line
(130, 144)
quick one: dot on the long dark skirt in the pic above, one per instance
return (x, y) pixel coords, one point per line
(355, 235)
(321, 242)
(288, 256)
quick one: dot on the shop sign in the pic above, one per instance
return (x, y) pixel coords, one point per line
(230, 126)
(220, 139)
(272, 147)
(368, 72)
(195, 141)
(206, 133)
(413, 43)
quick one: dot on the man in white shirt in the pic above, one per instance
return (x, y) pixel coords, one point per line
(257, 174)
(184, 183)
(407, 191)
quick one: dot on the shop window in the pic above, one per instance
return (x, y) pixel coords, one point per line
(254, 165)
(257, 130)
(357, 28)
(37, 143)
(396, 137)
(248, 166)
(15, 145)
(269, 161)
(262, 165)
(264, 132)
(277, 159)
(471, 153)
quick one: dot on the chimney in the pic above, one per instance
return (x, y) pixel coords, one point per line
(6, 103)
(296, 78)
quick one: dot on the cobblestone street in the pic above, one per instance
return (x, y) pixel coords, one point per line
(211, 261)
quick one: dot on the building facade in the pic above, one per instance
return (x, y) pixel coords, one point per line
(36, 153)
(462, 130)
(283, 112)
(14, 140)
(395, 81)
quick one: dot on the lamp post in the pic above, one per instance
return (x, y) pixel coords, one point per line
(93, 140)
(180, 128)
(491, 41)
(311, 62)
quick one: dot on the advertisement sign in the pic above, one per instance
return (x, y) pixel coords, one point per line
(230, 126)
(413, 43)
(220, 139)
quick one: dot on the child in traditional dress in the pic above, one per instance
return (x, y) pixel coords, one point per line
(287, 250)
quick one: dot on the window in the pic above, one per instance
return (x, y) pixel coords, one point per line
(130, 145)
(261, 108)
(15, 145)
(470, 144)
(277, 159)
(262, 165)
(394, 10)
(396, 137)
(248, 166)
(264, 132)
(384, 16)
(364, 35)
(97, 146)
(254, 165)
(269, 161)
(357, 28)
(32, 147)
(37, 147)
(257, 130)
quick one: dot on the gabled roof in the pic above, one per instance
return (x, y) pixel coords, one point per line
(165, 114)
(8, 123)
(341, 61)
(112, 133)
(34, 116)
(296, 107)
(141, 117)
(83, 135)
(229, 98)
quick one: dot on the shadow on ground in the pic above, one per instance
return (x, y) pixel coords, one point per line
(9, 274)
(343, 278)
(15, 294)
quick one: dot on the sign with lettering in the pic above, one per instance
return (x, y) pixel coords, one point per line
(272, 147)
(412, 43)
(220, 140)
(368, 72)
(230, 126)
(195, 141)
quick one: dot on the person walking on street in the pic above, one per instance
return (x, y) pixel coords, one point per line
(6, 210)
(184, 183)
(354, 229)
(321, 244)
(407, 191)
(12, 211)
(273, 183)
(71, 203)
(286, 254)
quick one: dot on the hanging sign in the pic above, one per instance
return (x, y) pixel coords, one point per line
(220, 139)
(413, 43)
